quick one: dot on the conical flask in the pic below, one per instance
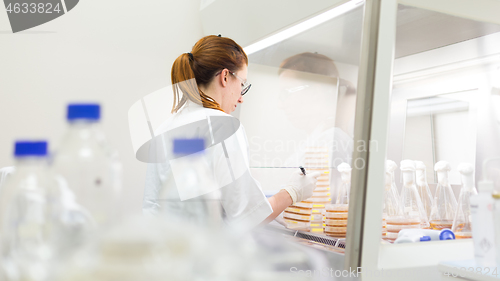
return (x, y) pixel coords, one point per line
(345, 188)
(445, 203)
(423, 187)
(462, 223)
(410, 199)
(390, 166)
(391, 198)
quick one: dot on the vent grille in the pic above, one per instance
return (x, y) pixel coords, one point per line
(341, 243)
(323, 240)
(326, 240)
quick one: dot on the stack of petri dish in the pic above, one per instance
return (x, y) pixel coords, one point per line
(384, 225)
(395, 224)
(335, 222)
(316, 160)
(298, 216)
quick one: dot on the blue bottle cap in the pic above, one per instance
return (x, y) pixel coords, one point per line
(30, 148)
(86, 111)
(446, 234)
(188, 146)
(425, 238)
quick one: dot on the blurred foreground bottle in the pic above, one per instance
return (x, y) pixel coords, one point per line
(39, 220)
(192, 194)
(462, 226)
(91, 169)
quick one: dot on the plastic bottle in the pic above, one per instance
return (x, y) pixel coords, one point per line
(345, 187)
(462, 226)
(35, 212)
(423, 188)
(192, 196)
(411, 204)
(445, 203)
(423, 235)
(91, 169)
(485, 227)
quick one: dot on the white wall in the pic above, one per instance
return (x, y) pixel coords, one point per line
(113, 51)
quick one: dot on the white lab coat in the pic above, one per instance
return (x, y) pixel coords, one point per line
(240, 195)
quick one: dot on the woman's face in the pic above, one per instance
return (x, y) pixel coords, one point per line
(232, 96)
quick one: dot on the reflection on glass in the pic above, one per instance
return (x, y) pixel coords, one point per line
(440, 128)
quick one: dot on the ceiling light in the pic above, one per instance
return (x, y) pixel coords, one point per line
(303, 26)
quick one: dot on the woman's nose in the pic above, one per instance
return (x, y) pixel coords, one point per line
(240, 100)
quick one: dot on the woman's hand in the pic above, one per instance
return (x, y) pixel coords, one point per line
(300, 186)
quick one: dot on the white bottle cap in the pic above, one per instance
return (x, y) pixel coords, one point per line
(465, 168)
(407, 165)
(442, 166)
(390, 166)
(485, 186)
(419, 165)
(344, 167)
(467, 174)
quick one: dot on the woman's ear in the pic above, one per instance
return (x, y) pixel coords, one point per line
(224, 77)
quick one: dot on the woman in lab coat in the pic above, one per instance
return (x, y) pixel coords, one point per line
(209, 83)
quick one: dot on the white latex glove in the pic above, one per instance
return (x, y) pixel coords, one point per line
(301, 187)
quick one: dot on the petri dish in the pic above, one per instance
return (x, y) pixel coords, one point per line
(335, 229)
(317, 217)
(321, 193)
(402, 220)
(336, 216)
(303, 204)
(330, 222)
(391, 236)
(299, 211)
(296, 216)
(297, 225)
(397, 227)
(337, 208)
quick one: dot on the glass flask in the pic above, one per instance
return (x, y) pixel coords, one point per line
(462, 226)
(345, 187)
(445, 203)
(390, 166)
(423, 187)
(411, 204)
(391, 205)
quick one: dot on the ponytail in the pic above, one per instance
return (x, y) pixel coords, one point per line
(209, 55)
(185, 86)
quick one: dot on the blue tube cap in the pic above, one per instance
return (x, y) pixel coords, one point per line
(30, 148)
(85, 111)
(188, 146)
(446, 234)
(425, 238)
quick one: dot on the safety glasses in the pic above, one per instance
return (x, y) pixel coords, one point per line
(245, 86)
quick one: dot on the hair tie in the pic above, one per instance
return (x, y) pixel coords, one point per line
(219, 35)
(190, 56)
